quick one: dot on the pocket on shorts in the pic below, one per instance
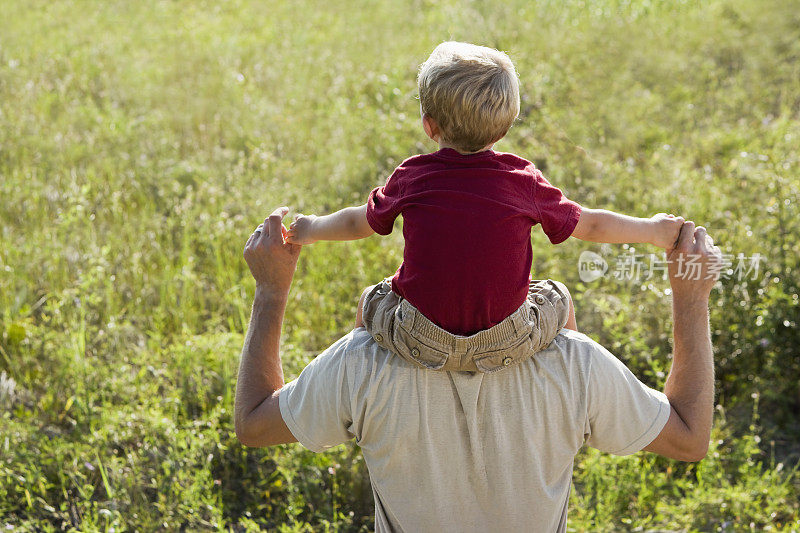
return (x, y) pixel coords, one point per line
(489, 362)
(412, 349)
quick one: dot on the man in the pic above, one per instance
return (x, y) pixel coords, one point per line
(467, 451)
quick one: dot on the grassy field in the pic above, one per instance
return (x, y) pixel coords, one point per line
(141, 142)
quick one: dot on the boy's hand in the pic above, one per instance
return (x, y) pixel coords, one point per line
(300, 230)
(666, 229)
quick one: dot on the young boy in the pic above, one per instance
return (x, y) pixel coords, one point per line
(462, 299)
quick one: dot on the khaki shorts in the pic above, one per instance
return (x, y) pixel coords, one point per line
(399, 327)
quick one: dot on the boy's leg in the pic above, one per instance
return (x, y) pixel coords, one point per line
(571, 323)
(553, 309)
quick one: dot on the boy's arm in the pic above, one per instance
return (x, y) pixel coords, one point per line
(345, 225)
(599, 225)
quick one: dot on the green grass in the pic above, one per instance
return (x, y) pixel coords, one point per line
(141, 142)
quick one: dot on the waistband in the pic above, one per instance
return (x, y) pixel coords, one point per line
(497, 337)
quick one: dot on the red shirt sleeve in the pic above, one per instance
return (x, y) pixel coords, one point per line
(383, 205)
(557, 214)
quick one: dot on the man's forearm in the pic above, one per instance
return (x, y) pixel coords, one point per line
(260, 371)
(690, 384)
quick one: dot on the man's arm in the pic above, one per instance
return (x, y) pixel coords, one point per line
(599, 225)
(690, 384)
(257, 416)
(347, 224)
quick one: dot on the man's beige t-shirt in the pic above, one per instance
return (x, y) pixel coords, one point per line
(463, 451)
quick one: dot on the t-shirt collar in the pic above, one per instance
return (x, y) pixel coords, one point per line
(449, 153)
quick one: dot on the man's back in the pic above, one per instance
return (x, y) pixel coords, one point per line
(472, 451)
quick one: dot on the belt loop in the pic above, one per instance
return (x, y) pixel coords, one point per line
(468, 355)
(459, 346)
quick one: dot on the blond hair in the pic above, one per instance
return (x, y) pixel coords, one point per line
(472, 92)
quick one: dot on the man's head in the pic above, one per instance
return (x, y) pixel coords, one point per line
(471, 92)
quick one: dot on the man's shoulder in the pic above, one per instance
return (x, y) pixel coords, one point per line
(355, 345)
(577, 349)
(362, 360)
(576, 340)
(357, 351)
(584, 353)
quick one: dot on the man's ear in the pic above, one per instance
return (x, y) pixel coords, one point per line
(431, 128)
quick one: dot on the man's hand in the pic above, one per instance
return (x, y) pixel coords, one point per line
(301, 229)
(271, 259)
(694, 262)
(666, 229)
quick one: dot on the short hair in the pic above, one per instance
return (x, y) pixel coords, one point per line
(472, 92)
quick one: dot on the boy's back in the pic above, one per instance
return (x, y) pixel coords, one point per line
(468, 212)
(466, 222)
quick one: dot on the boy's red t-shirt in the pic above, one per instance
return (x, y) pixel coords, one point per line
(467, 223)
